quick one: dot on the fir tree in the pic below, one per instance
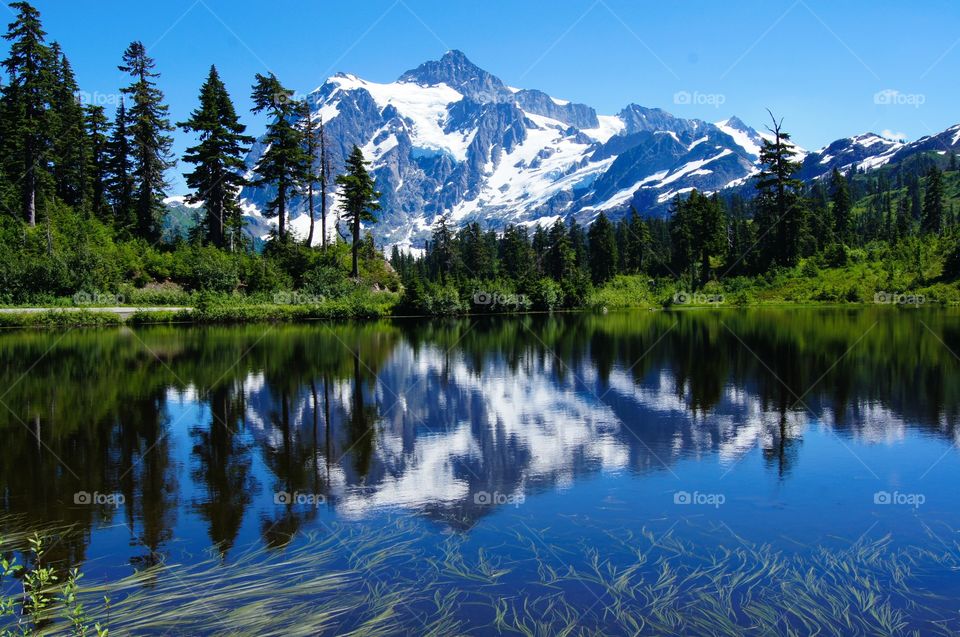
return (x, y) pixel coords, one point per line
(603, 250)
(119, 173)
(779, 203)
(315, 146)
(561, 260)
(842, 206)
(25, 106)
(70, 152)
(475, 252)
(97, 127)
(515, 254)
(360, 199)
(933, 202)
(148, 127)
(442, 250)
(218, 176)
(285, 164)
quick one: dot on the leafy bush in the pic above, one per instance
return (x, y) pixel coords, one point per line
(547, 294)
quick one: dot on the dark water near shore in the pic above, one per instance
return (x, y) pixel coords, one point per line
(544, 445)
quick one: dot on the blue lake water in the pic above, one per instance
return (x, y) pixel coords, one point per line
(694, 472)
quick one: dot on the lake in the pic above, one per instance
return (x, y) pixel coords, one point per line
(756, 471)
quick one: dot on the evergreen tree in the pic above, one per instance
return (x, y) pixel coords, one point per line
(578, 243)
(842, 206)
(97, 127)
(540, 244)
(603, 250)
(25, 107)
(515, 254)
(119, 177)
(360, 199)
(315, 146)
(779, 203)
(561, 260)
(904, 221)
(740, 237)
(442, 250)
(475, 253)
(148, 127)
(285, 164)
(70, 151)
(913, 191)
(933, 202)
(218, 176)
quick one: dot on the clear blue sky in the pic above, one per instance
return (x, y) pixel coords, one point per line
(834, 56)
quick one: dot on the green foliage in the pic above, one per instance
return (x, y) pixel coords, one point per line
(546, 294)
(44, 602)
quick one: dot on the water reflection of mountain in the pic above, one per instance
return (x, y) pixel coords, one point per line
(428, 415)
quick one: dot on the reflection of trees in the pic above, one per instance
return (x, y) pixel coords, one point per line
(97, 398)
(146, 479)
(223, 458)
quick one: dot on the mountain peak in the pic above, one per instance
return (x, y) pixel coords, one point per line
(456, 70)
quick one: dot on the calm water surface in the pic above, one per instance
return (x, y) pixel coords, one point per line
(611, 474)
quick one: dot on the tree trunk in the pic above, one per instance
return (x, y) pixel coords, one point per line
(310, 200)
(30, 198)
(282, 212)
(323, 210)
(356, 245)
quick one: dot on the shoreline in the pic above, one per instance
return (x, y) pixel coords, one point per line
(71, 317)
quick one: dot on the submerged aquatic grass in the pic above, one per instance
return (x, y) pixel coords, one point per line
(359, 580)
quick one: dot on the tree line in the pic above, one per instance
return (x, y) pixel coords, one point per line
(706, 237)
(59, 153)
(56, 148)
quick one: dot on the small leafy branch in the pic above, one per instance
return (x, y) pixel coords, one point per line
(42, 600)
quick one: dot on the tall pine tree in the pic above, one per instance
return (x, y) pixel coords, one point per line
(842, 206)
(70, 152)
(97, 126)
(119, 173)
(285, 164)
(360, 199)
(150, 143)
(933, 202)
(26, 99)
(603, 250)
(779, 203)
(218, 159)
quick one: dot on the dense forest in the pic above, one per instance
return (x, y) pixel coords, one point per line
(83, 218)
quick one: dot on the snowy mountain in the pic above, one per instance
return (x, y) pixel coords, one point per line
(451, 138)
